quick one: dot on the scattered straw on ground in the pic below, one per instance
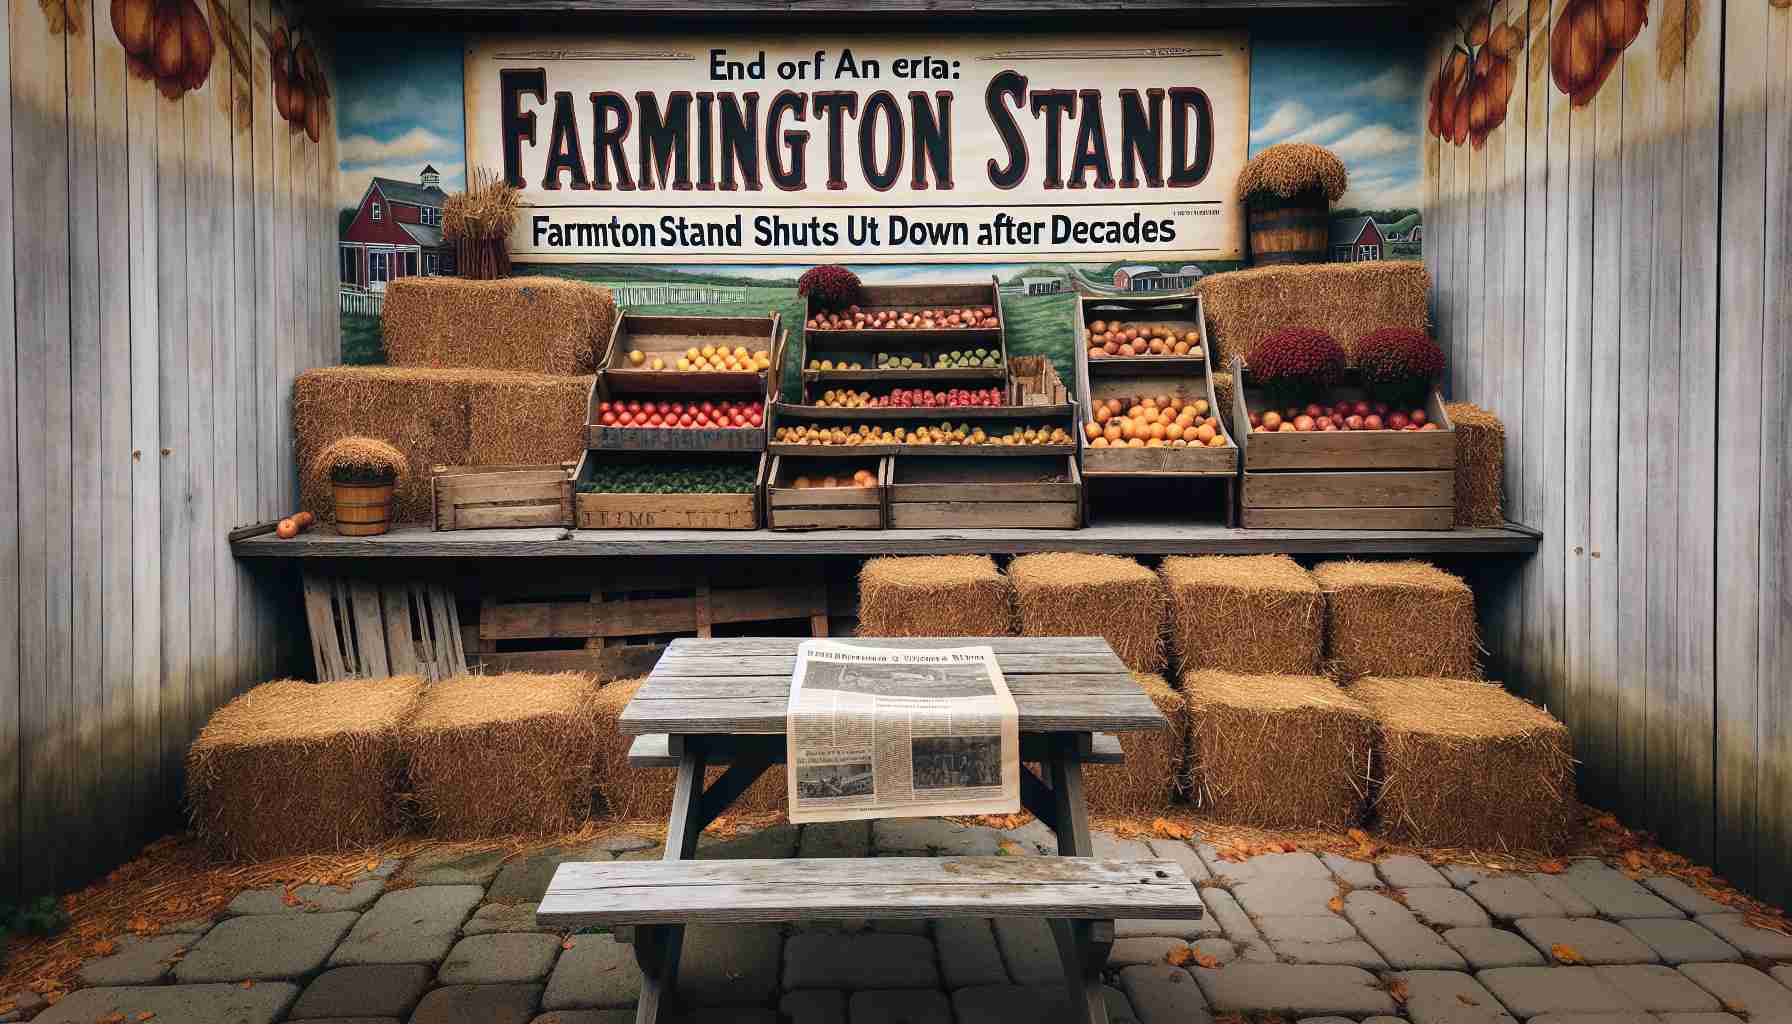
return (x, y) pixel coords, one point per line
(527, 418)
(526, 324)
(422, 413)
(1398, 619)
(1345, 300)
(1480, 465)
(491, 755)
(1256, 614)
(1277, 751)
(1461, 762)
(294, 767)
(1069, 594)
(934, 595)
(1290, 169)
(627, 792)
(1153, 773)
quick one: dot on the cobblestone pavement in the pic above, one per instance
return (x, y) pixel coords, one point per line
(1313, 940)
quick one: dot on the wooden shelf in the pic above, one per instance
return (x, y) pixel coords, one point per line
(1052, 414)
(1133, 537)
(921, 376)
(1132, 364)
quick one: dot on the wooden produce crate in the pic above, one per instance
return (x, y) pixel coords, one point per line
(1032, 380)
(669, 337)
(991, 418)
(1345, 480)
(598, 511)
(823, 508)
(491, 497)
(824, 344)
(1033, 492)
(685, 387)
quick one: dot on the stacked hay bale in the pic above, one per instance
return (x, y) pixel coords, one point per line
(1398, 619)
(1480, 465)
(1277, 751)
(627, 793)
(504, 754)
(1068, 594)
(526, 418)
(1154, 771)
(1345, 300)
(934, 595)
(546, 325)
(295, 767)
(422, 413)
(1252, 614)
(1223, 394)
(1466, 764)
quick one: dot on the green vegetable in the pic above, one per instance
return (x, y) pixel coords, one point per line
(738, 477)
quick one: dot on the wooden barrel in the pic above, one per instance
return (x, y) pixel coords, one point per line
(363, 510)
(1298, 232)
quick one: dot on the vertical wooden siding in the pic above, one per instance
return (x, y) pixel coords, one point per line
(1614, 280)
(155, 311)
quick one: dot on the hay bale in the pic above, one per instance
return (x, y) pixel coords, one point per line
(934, 595)
(362, 460)
(504, 754)
(1277, 751)
(1290, 169)
(527, 418)
(1155, 761)
(627, 793)
(295, 767)
(1398, 619)
(1223, 395)
(1345, 300)
(1257, 614)
(1480, 465)
(422, 413)
(1466, 764)
(1067, 594)
(526, 324)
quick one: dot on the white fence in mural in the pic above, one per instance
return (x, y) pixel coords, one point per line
(667, 294)
(364, 303)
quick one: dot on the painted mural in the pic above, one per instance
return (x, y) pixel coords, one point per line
(403, 152)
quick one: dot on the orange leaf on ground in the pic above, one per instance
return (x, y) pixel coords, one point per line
(1399, 990)
(111, 1018)
(1566, 954)
(1466, 1001)
(1207, 960)
(1737, 1007)
(1179, 956)
(147, 1015)
(1336, 903)
(248, 983)
(1169, 829)
(1768, 922)
(1552, 867)
(105, 947)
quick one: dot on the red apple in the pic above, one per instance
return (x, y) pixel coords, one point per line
(1314, 410)
(1397, 421)
(1353, 422)
(1372, 422)
(1303, 423)
(1324, 423)
(1417, 416)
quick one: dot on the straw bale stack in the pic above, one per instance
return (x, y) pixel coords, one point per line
(1068, 594)
(1155, 761)
(527, 324)
(504, 754)
(645, 794)
(934, 595)
(1256, 614)
(1223, 394)
(527, 418)
(1480, 465)
(295, 767)
(1398, 619)
(422, 413)
(1277, 751)
(360, 459)
(1345, 300)
(1466, 764)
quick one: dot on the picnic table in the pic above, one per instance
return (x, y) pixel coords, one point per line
(724, 701)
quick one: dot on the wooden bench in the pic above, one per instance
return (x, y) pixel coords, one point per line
(648, 903)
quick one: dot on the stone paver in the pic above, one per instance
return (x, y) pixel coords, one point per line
(1404, 871)
(265, 947)
(1108, 846)
(597, 972)
(1613, 893)
(729, 1015)
(774, 842)
(1756, 942)
(139, 961)
(1492, 947)
(1511, 897)
(1222, 950)
(444, 867)
(968, 952)
(525, 879)
(1384, 1020)
(257, 1004)
(1592, 940)
(1147, 950)
(308, 898)
(1161, 994)
(1445, 908)
(1324, 1020)
(1684, 896)
(921, 836)
(812, 1006)
(1529, 991)
(586, 1017)
(410, 926)
(900, 1006)
(730, 965)
(1658, 989)
(1464, 875)
(23, 1004)
(1293, 896)
(1743, 991)
(1028, 951)
(861, 961)
(1236, 926)
(1300, 864)
(1358, 874)
(1174, 927)
(1448, 997)
(503, 917)
(499, 957)
(486, 1004)
(1783, 975)
(1570, 902)
(1007, 1004)
(1033, 834)
(835, 839)
(1182, 853)
(1319, 940)
(378, 990)
(1397, 935)
(1628, 1017)
(1699, 1018)
(1293, 989)
(1678, 941)
(624, 842)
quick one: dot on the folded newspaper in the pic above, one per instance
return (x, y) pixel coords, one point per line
(879, 732)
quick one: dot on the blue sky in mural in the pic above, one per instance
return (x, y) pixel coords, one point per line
(401, 109)
(1359, 98)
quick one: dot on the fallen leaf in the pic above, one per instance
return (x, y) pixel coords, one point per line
(248, 983)
(1169, 829)
(373, 864)
(1336, 903)
(1552, 867)
(147, 1015)
(1566, 954)
(567, 944)
(1179, 955)
(104, 947)
(1399, 990)
(1767, 922)
(1607, 822)
(1207, 960)
(1465, 1000)
(111, 1018)
(1736, 1007)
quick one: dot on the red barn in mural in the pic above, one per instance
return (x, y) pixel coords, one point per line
(1357, 240)
(396, 232)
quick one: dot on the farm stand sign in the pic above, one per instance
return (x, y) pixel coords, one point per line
(873, 149)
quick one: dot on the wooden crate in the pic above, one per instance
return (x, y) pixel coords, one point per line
(670, 336)
(928, 491)
(649, 385)
(828, 344)
(1032, 380)
(1345, 480)
(832, 508)
(991, 418)
(665, 511)
(491, 497)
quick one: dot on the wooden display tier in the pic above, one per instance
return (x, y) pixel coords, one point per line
(669, 337)
(824, 344)
(1182, 313)
(681, 386)
(626, 510)
(1059, 416)
(788, 507)
(1040, 493)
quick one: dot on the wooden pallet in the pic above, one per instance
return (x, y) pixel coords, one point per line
(362, 629)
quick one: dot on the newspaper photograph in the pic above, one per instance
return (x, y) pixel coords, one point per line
(883, 732)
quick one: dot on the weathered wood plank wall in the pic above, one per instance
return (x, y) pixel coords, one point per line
(164, 282)
(1638, 344)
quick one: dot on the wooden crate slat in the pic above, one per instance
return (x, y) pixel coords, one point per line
(1350, 489)
(370, 630)
(401, 649)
